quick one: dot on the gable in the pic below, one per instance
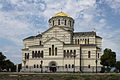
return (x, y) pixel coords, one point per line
(53, 39)
(58, 33)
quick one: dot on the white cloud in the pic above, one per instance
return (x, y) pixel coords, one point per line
(1, 6)
(13, 53)
(114, 4)
(29, 16)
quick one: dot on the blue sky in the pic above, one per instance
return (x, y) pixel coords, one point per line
(22, 18)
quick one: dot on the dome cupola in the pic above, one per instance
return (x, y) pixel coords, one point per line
(63, 20)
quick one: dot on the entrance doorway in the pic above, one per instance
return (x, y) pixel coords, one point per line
(52, 67)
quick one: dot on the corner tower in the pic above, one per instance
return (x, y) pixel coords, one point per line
(63, 20)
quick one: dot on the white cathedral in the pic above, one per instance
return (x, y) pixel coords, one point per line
(60, 49)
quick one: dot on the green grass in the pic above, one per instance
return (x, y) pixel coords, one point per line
(60, 76)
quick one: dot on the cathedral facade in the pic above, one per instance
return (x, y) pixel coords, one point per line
(60, 49)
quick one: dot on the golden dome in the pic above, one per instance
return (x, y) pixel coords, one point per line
(61, 14)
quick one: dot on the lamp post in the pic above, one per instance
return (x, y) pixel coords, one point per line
(24, 65)
(41, 66)
(73, 55)
(96, 65)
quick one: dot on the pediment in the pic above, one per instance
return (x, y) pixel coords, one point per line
(53, 39)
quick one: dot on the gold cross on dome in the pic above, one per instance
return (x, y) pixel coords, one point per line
(61, 9)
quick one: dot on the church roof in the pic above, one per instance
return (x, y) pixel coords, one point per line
(36, 46)
(32, 37)
(39, 35)
(61, 14)
(26, 49)
(88, 44)
(84, 33)
(98, 37)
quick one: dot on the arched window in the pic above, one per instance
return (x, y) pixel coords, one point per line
(70, 53)
(25, 55)
(88, 54)
(72, 65)
(42, 54)
(32, 54)
(64, 53)
(88, 66)
(53, 22)
(40, 42)
(78, 41)
(38, 54)
(40, 66)
(75, 41)
(28, 56)
(65, 65)
(70, 23)
(74, 52)
(34, 66)
(52, 49)
(58, 21)
(88, 41)
(67, 53)
(65, 22)
(37, 66)
(49, 51)
(55, 51)
(35, 54)
(98, 55)
(69, 65)
(85, 41)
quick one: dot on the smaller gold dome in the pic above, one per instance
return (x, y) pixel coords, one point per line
(61, 14)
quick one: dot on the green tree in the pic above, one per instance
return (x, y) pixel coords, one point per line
(8, 65)
(19, 67)
(117, 66)
(2, 59)
(5, 64)
(108, 59)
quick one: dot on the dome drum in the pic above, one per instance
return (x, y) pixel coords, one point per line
(62, 20)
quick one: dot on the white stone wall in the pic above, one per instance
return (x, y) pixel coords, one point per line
(37, 41)
(71, 60)
(62, 35)
(82, 39)
(57, 44)
(31, 42)
(88, 61)
(99, 42)
(27, 43)
(23, 56)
